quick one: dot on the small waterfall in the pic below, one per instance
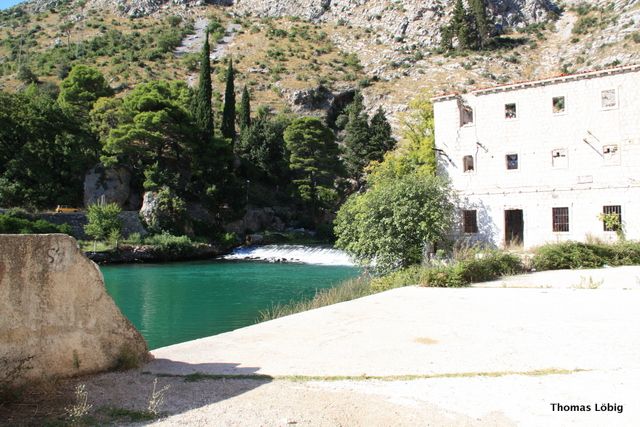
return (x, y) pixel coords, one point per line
(292, 253)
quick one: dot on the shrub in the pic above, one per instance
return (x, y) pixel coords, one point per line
(169, 243)
(10, 224)
(569, 255)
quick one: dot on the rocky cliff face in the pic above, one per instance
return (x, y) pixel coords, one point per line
(415, 20)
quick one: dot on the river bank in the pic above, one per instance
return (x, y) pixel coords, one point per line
(137, 254)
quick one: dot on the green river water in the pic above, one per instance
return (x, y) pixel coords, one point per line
(173, 303)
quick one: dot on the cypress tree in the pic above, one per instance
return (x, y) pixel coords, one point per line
(381, 139)
(460, 24)
(356, 140)
(228, 126)
(202, 110)
(481, 22)
(244, 115)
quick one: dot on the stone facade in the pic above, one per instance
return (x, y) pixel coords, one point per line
(56, 311)
(540, 161)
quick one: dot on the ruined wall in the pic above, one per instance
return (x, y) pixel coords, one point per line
(54, 308)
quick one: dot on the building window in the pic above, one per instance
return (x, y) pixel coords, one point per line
(560, 219)
(512, 161)
(470, 221)
(559, 158)
(609, 98)
(611, 154)
(510, 111)
(609, 221)
(467, 163)
(466, 115)
(558, 104)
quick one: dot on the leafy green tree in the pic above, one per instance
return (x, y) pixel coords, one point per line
(44, 152)
(157, 128)
(103, 221)
(80, 90)
(313, 161)
(460, 25)
(416, 150)
(26, 75)
(228, 126)
(393, 222)
(202, 108)
(169, 214)
(244, 115)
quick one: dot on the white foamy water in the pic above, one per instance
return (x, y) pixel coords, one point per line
(291, 253)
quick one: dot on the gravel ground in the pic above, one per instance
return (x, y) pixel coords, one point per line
(495, 356)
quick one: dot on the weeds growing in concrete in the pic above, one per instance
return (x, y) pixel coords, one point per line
(80, 408)
(156, 400)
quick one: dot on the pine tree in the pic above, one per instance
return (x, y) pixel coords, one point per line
(244, 115)
(228, 126)
(381, 139)
(481, 22)
(202, 110)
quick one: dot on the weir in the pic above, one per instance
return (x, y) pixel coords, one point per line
(292, 253)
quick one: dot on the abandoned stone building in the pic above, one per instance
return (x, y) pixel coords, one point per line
(542, 161)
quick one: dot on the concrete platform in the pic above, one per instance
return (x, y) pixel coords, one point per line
(428, 331)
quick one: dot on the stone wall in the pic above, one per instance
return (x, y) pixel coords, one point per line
(56, 310)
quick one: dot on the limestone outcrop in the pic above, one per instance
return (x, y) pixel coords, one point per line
(110, 185)
(56, 311)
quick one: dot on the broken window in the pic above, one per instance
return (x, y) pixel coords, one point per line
(512, 161)
(510, 111)
(611, 154)
(467, 163)
(609, 221)
(558, 104)
(559, 158)
(470, 221)
(466, 115)
(560, 219)
(609, 98)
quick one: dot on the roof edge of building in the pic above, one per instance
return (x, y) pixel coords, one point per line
(541, 82)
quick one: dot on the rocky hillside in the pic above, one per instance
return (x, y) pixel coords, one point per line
(306, 53)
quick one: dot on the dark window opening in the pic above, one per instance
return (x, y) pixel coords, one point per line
(510, 111)
(611, 223)
(470, 221)
(560, 219)
(512, 161)
(466, 115)
(558, 104)
(467, 163)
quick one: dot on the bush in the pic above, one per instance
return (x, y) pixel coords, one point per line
(570, 255)
(169, 243)
(10, 224)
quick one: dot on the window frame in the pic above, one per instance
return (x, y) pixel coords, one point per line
(611, 160)
(506, 162)
(617, 209)
(470, 227)
(564, 110)
(464, 108)
(615, 93)
(504, 112)
(558, 214)
(464, 164)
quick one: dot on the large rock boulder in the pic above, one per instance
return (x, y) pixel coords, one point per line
(56, 312)
(111, 185)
